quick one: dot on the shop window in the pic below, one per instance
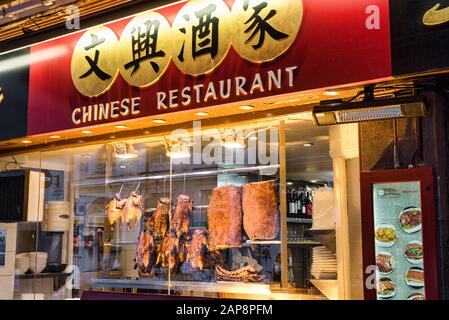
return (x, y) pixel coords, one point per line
(246, 211)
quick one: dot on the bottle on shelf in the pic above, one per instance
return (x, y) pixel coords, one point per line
(289, 204)
(292, 206)
(309, 205)
(303, 205)
(298, 204)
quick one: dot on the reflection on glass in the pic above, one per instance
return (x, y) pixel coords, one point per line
(137, 216)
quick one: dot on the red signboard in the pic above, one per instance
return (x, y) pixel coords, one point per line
(337, 43)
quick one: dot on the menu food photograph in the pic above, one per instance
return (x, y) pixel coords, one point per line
(398, 241)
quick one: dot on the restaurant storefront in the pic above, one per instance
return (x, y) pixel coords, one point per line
(226, 149)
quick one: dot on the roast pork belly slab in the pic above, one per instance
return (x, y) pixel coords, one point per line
(261, 210)
(224, 218)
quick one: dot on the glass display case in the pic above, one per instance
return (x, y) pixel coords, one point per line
(213, 213)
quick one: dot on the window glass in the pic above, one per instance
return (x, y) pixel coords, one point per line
(195, 212)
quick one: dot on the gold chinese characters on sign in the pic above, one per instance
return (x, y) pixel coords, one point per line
(145, 49)
(264, 30)
(197, 42)
(201, 33)
(95, 61)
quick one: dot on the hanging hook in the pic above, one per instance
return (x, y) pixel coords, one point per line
(121, 189)
(138, 186)
(184, 184)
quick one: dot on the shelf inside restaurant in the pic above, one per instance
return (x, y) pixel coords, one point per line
(155, 284)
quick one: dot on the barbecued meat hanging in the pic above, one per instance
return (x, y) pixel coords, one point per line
(180, 222)
(114, 211)
(133, 209)
(261, 210)
(146, 254)
(168, 256)
(158, 224)
(224, 217)
(196, 252)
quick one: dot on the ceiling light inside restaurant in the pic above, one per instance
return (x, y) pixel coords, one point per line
(232, 140)
(124, 150)
(385, 109)
(48, 3)
(26, 141)
(202, 114)
(246, 108)
(253, 138)
(55, 137)
(159, 121)
(177, 149)
(309, 144)
(120, 126)
(331, 93)
(87, 132)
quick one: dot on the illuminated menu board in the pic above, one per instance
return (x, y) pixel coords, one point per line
(398, 241)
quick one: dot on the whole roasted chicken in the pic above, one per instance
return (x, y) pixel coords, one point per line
(158, 224)
(133, 209)
(114, 211)
(180, 222)
(196, 252)
(146, 255)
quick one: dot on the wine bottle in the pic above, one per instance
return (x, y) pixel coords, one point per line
(298, 204)
(294, 206)
(309, 205)
(303, 205)
(289, 204)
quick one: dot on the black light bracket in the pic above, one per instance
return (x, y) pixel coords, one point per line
(369, 93)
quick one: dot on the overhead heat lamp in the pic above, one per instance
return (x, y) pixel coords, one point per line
(338, 112)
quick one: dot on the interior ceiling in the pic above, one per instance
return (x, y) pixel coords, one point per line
(19, 17)
(307, 152)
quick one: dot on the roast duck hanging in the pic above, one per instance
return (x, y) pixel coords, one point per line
(114, 211)
(133, 209)
(146, 255)
(167, 247)
(180, 221)
(196, 252)
(159, 222)
(125, 211)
